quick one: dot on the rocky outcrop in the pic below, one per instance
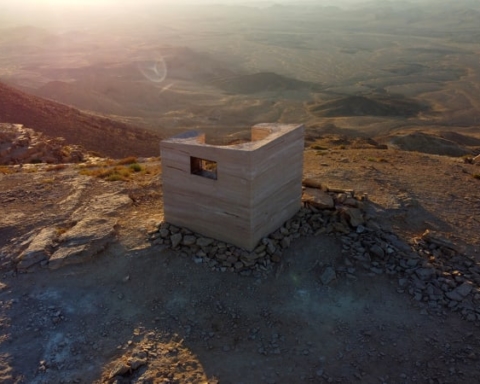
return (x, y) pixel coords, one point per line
(87, 231)
(20, 145)
(85, 240)
(39, 249)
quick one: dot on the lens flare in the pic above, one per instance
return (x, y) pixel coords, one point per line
(155, 71)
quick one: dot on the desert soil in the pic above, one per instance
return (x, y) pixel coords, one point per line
(140, 312)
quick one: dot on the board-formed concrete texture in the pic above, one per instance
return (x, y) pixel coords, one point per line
(234, 193)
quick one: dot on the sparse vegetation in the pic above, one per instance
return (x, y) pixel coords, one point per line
(30, 170)
(5, 170)
(318, 147)
(103, 163)
(152, 170)
(127, 160)
(57, 167)
(110, 170)
(377, 159)
(476, 176)
(60, 231)
(114, 176)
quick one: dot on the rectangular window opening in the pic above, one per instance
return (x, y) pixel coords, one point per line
(203, 167)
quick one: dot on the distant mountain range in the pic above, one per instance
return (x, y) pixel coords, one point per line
(95, 133)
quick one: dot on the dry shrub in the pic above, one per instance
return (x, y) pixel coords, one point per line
(57, 167)
(115, 177)
(6, 170)
(109, 173)
(153, 170)
(127, 160)
(60, 231)
(377, 159)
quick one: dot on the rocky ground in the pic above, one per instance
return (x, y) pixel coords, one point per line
(377, 279)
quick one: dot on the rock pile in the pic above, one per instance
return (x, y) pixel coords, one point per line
(20, 145)
(429, 268)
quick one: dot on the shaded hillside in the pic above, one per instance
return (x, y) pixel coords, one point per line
(460, 139)
(95, 133)
(261, 82)
(422, 142)
(81, 97)
(117, 97)
(368, 106)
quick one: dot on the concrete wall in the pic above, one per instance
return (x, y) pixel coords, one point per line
(258, 184)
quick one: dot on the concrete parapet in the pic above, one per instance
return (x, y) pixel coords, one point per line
(235, 193)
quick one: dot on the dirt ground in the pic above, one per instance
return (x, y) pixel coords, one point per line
(142, 313)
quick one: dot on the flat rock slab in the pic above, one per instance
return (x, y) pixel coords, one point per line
(318, 198)
(83, 241)
(103, 205)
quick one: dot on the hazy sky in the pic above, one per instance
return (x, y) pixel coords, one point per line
(136, 2)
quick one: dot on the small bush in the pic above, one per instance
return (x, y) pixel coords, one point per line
(318, 147)
(476, 176)
(36, 161)
(135, 167)
(115, 177)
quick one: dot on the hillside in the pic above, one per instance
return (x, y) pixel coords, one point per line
(369, 106)
(262, 82)
(94, 133)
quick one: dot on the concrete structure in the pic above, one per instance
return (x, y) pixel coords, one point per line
(234, 193)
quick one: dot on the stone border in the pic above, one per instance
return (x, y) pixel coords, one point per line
(429, 268)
